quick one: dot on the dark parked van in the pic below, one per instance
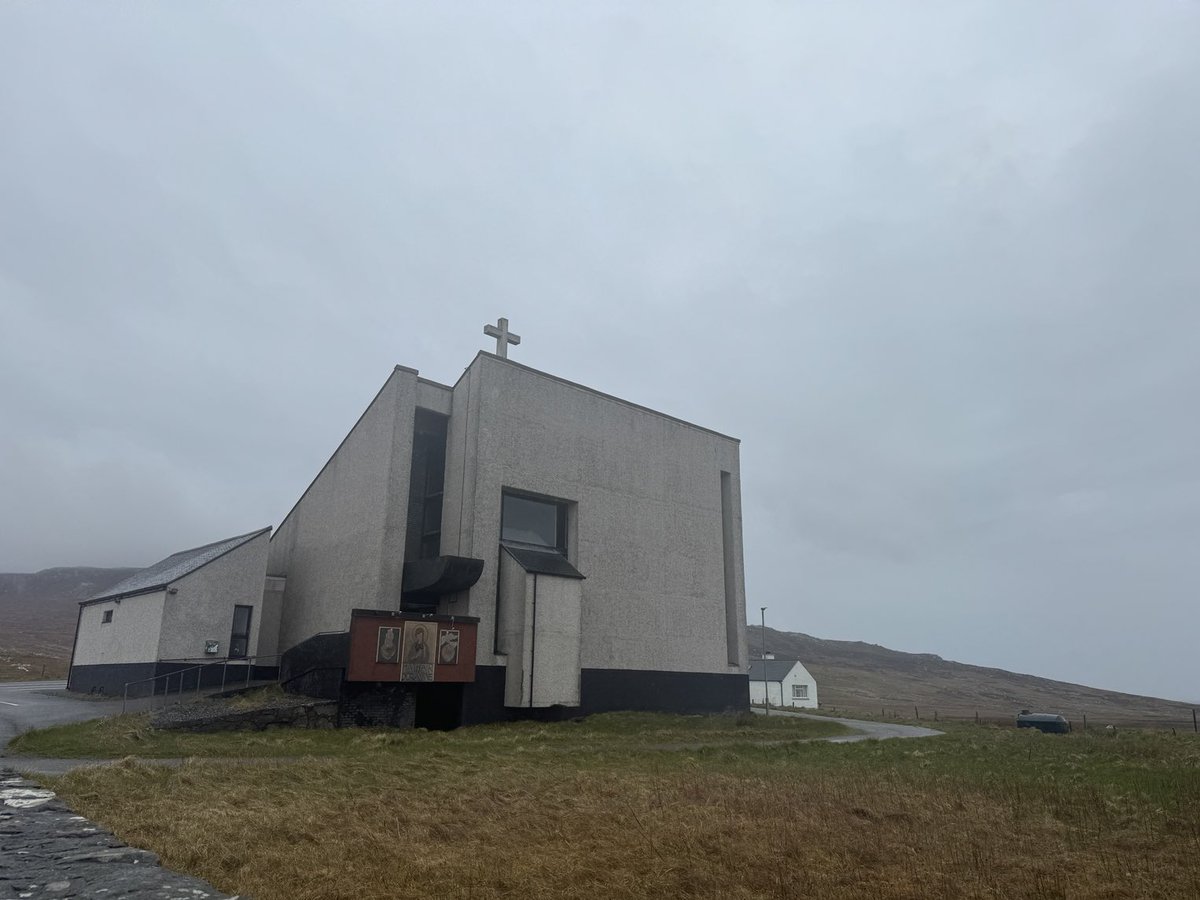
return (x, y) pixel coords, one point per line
(1047, 722)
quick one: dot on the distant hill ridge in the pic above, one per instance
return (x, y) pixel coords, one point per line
(860, 677)
(44, 604)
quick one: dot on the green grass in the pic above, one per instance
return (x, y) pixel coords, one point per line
(132, 735)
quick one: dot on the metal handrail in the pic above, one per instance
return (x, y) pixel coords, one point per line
(249, 661)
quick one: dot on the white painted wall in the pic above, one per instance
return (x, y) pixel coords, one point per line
(540, 629)
(782, 693)
(201, 607)
(342, 545)
(647, 530)
(132, 636)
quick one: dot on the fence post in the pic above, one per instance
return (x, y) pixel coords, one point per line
(917, 713)
(1194, 728)
(935, 715)
(976, 717)
(1085, 721)
(125, 698)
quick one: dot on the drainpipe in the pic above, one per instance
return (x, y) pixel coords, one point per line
(532, 639)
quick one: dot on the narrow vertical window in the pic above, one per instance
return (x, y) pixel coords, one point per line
(426, 482)
(239, 639)
(730, 556)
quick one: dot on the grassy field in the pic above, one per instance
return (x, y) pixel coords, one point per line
(601, 809)
(17, 664)
(131, 735)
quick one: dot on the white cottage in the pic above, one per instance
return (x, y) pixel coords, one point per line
(785, 681)
(210, 602)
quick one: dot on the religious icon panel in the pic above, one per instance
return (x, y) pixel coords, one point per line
(417, 657)
(387, 646)
(448, 646)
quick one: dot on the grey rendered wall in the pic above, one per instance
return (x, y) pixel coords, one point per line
(202, 606)
(131, 637)
(342, 545)
(272, 605)
(647, 531)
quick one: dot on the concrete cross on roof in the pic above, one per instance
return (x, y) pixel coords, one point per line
(503, 336)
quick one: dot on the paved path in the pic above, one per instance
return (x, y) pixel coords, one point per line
(33, 704)
(868, 731)
(48, 851)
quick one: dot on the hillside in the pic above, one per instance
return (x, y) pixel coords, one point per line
(37, 617)
(867, 678)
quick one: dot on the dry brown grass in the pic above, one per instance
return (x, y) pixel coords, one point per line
(961, 816)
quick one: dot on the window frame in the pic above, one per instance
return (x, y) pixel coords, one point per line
(561, 520)
(799, 691)
(235, 635)
(106, 617)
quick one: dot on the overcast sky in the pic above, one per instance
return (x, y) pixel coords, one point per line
(936, 264)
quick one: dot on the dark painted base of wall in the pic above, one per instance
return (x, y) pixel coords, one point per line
(449, 705)
(168, 677)
(610, 690)
(108, 679)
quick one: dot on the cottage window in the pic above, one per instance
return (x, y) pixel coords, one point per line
(239, 640)
(799, 691)
(534, 522)
(107, 617)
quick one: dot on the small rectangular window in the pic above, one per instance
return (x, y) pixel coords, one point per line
(239, 639)
(799, 691)
(534, 522)
(107, 617)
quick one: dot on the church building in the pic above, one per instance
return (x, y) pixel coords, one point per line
(512, 545)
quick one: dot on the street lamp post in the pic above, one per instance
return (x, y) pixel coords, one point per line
(766, 685)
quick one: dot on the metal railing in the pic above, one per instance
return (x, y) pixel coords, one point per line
(245, 662)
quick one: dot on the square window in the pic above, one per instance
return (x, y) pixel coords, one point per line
(534, 522)
(107, 617)
(799, 691)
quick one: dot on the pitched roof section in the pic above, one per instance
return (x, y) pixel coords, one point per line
(777, 669)
(542, 562)
(174, 567)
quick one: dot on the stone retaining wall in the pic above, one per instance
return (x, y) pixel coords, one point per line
(316, 714)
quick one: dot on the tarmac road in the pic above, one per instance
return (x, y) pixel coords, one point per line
(867, 731)
(33, 704)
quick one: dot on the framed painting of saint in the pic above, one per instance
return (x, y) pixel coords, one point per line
(387, 645)
(417, 655)
(448, 647)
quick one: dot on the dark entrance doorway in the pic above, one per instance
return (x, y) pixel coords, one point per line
(439, 706)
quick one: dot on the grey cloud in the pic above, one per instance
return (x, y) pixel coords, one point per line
(935, 266)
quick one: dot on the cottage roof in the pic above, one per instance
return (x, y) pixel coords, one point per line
(777, 669)
(174, 567)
